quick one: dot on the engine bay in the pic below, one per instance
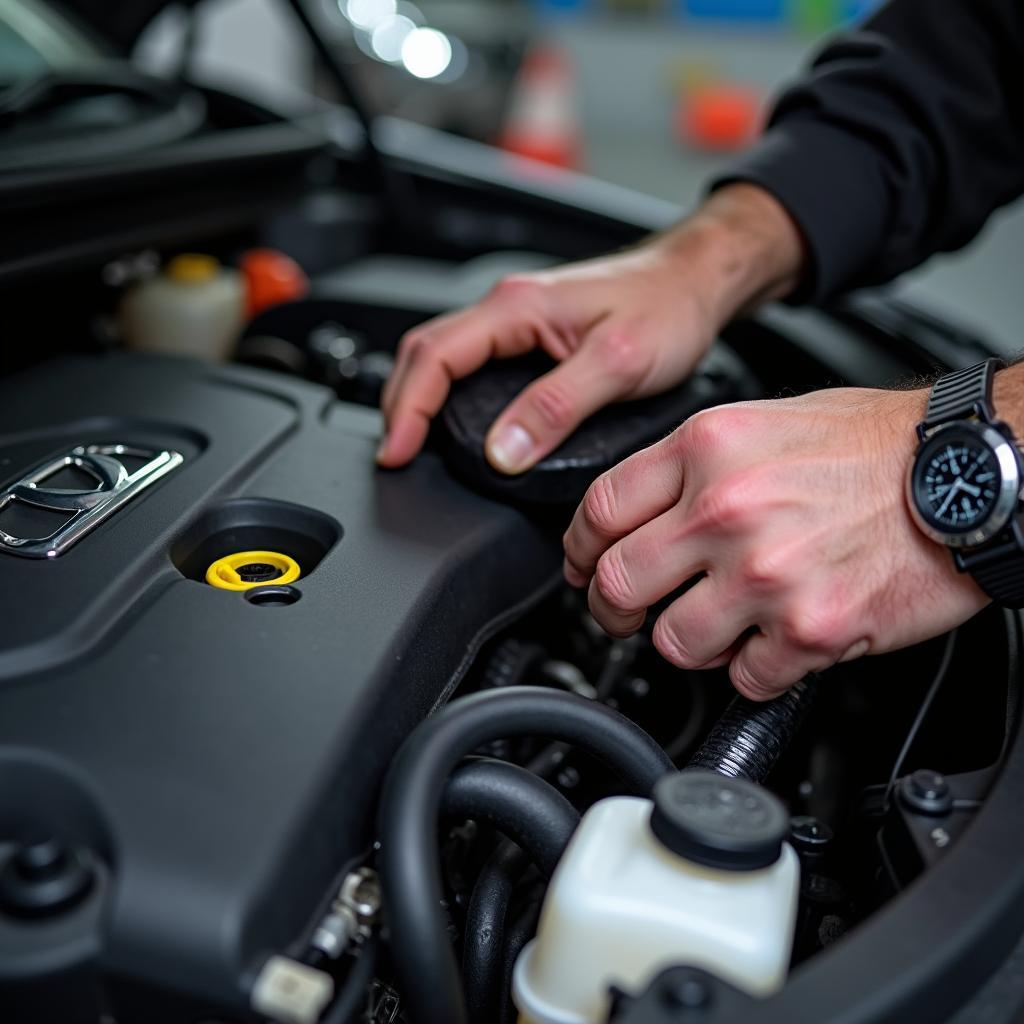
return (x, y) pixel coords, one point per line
(345, 794)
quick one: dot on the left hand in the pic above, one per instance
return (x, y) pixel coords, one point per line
(795, 510)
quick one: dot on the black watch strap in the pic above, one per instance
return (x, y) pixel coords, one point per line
(956, 396)
(998, 568)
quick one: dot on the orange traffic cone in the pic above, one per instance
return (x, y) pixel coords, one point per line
(543, 123)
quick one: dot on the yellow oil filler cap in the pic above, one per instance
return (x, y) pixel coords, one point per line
(247, 569)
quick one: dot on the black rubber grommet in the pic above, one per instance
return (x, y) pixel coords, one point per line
(44, 878)
(273, 597)
(718, 821)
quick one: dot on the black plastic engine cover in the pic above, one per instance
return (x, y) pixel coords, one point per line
(219, 759)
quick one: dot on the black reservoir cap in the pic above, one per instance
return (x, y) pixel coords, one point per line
(718, 821)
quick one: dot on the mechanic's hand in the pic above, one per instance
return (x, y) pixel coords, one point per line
(625, 326)
(795, 510)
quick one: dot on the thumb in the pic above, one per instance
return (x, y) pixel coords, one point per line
(552, 407)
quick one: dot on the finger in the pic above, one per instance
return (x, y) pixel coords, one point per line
(451, 350)
(447, 325)
(637, 490)
(700, 629)
(643, 567)
(766, 667)
(538, 420)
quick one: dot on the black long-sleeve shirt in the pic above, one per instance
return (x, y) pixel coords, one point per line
(901, 141)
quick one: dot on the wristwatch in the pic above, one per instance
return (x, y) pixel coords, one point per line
(965, 483)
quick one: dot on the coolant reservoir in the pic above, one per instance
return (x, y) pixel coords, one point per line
(194, 308)
(699, 876)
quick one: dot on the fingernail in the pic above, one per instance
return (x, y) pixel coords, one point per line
(510, 449)
(857, 650)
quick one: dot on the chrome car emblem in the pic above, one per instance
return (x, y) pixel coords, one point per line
(85, 509)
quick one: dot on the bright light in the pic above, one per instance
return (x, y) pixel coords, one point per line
(390, 35)
(426, 53)
(368, 14)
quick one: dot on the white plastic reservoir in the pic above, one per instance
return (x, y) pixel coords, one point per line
(194, 308)
(700, 876)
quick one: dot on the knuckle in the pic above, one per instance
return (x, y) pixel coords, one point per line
(813, 628)
(750, 684)
(553, 405)
(762, 571)
(725, 502)
(710, 431)
(671, 646)
(621, 356)
(599, 505)
(413, 344)
(613, 583)
(515, 287)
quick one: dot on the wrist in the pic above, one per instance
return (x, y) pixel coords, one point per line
(1008, 398)
(742, 247)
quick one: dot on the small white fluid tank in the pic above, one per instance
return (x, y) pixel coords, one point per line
(699, 876)
(194, 308)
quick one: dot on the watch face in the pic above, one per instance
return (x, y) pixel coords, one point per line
(957, 482)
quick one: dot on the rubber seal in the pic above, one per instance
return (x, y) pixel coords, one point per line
(245, 570)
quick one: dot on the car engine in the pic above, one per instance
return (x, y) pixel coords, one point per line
(286, 737)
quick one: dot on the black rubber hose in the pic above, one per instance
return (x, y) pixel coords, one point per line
(750, 737)
(522, 930)
(355, 992)
(482, 954)
(410, 874)
(519, 805)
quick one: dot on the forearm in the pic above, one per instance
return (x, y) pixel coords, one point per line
(738, 249)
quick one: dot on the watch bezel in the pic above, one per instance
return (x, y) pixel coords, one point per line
(1007, 499)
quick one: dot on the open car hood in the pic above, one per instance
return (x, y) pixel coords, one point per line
(118, 23)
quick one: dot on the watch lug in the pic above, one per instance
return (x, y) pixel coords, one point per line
(983, 412)
(958, 561)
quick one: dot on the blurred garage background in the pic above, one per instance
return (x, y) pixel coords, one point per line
(654, 95)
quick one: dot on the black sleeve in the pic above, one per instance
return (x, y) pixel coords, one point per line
(901, 140)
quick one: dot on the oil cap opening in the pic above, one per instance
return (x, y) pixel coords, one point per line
(718, 821)
(247, 569)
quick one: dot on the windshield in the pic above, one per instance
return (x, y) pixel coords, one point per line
(35, 39)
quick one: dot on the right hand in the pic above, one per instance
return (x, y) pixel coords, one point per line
(620, 327)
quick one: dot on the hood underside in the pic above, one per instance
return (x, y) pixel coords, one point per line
(119, 24)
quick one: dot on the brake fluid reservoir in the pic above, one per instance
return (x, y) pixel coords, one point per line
(699, 876)
(194, 308)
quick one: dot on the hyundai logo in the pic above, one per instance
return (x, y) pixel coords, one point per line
(84, 509)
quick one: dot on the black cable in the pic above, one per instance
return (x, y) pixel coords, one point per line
(482, 953)
(528, 810)
(937, 680)
(355, 989)
(1012, 621)
(395, 187)
(750, 736)
(684, 740)
(410, 873)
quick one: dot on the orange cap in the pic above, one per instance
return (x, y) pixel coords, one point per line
(271, 278)
(722, 116)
